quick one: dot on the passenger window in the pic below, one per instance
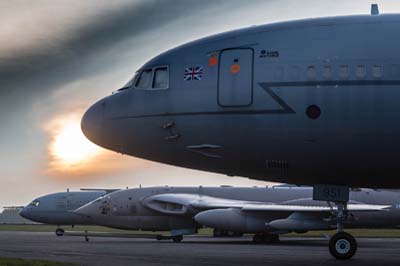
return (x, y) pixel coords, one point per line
(327, 72)
(161, 78)
(377, 71)
(311, 72)
(144, 79)
(294, 72)
(279, 73)
(343, 71)
(395, 70)
(361, 71)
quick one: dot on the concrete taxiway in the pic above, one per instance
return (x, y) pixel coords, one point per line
(192, 251)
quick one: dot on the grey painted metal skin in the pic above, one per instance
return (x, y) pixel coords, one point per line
(57, 208)
(347, 66)
(146, 209)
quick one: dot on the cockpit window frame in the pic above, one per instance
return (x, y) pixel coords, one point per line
(35, 203)
(140, 76)
(151, 85)
(154, 76)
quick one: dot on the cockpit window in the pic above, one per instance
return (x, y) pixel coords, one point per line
(144, 80)
(35, 203)
(155, 78)
(161, 78)
(131, 82)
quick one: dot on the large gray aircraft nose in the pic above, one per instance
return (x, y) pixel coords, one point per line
(92, 121)
(24, 213)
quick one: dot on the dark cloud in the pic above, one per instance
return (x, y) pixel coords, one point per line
(89, 39)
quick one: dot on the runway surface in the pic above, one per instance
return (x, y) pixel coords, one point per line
(191, 251)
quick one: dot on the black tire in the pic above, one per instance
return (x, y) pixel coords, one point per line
(258, 238)
(238, 234)
(274, 238)
(217, 232)
(177, 239)
(342, 246)
(230, 233)
(59, 232)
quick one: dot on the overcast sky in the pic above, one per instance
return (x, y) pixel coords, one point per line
(58, 56)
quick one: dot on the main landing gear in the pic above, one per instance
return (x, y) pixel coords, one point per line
(265, 238)
(175, 239)
(342, 245)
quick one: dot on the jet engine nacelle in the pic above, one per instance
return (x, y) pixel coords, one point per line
(297, 225)
(230, 219)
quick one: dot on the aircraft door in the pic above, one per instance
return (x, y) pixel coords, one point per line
(235, 84)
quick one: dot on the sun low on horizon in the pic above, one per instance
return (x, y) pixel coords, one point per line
(71, 146)
(69, 152)
(70, 155)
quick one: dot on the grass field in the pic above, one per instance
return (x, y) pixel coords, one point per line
(390, 233)
(22, 262)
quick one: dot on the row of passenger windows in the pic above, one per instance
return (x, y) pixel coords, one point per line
(344, 71)
(158, 77)
(152, 78)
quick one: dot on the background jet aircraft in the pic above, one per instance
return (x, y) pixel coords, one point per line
(305, 102)
(263, 211)
(57, 208)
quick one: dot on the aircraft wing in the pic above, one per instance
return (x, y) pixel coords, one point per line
(171, 203)
(299, 208)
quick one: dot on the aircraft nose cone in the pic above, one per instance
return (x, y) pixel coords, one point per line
(92, 121)
(24, 213)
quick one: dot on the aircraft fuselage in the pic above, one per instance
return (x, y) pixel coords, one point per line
(305, 102)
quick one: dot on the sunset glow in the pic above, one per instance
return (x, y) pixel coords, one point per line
(70, 146)
(72, 156)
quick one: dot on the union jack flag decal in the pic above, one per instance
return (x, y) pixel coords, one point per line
(193, 73)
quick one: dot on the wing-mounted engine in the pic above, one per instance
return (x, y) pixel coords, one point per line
(181, 204)
(165, 205)
(173, 204)
(300, 222)
(302, 215)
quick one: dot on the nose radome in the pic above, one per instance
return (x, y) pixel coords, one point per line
(24, 213)
(92, 120)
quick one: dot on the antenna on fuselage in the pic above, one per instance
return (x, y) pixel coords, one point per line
(374, 10)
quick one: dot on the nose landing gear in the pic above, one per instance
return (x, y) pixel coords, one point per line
(342, 245)
(60, 232)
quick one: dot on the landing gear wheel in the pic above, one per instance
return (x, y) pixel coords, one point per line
(217, 232)
(272, 238)
(265, 238)
(342, 246)
(258, 238)
(177, 239)
(59, 232)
